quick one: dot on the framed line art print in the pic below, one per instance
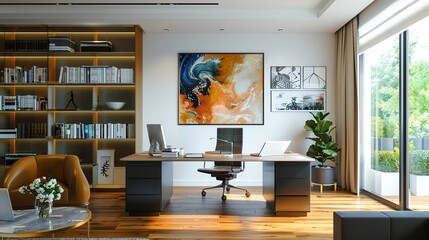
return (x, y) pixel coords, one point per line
(314, 77)
(221, 88)
(285, 77)
(297, 100)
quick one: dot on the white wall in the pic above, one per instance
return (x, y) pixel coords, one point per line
(160, 94)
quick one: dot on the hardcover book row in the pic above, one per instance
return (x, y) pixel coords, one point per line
(94, 130)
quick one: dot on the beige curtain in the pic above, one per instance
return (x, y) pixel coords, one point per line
(347, 105)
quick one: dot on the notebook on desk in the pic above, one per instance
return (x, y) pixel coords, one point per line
(6, 211)
(272, 148)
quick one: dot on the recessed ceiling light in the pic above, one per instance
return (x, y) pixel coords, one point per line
(166, 29)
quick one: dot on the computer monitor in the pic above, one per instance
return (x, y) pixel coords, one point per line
(156, 138)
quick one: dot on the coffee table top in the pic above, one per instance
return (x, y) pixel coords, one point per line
(30, 225)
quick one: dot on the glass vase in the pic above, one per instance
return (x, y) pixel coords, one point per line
(43, 209)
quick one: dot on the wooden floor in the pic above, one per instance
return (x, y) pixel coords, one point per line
(189, 216)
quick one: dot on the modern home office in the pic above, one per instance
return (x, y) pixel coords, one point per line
(223, 119)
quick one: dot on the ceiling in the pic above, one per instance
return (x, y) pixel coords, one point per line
(186, 16)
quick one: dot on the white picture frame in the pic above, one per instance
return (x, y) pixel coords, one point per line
(105, 163)
(296, 100)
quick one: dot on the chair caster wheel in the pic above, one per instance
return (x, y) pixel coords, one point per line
(227, 189)
(247, 194)
(223, 198)
(203, 193)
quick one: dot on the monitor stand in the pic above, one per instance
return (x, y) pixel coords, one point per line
(154, 149)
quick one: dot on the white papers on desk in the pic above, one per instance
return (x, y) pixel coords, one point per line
(194, 155)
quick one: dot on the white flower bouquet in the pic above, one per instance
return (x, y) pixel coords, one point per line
(45, 191)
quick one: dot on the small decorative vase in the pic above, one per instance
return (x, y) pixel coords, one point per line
(43, 209)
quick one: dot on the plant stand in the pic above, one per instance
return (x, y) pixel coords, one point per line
(324, 184)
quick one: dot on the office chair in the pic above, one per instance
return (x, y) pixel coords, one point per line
(228, 139)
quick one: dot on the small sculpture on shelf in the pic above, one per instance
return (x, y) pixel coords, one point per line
(71, 101)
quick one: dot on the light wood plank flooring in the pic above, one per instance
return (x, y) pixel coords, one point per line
(189, 216)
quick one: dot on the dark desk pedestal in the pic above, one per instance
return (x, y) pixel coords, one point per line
(149, 187)
(286, 187)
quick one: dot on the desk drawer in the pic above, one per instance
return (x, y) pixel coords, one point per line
(143, 203)
(292, 170)
(143, 169)
(292, 203)
(143, 186)
(292, 186)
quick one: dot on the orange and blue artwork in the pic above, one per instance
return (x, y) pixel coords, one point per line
(221, 88)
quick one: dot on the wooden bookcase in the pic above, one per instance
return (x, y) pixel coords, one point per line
(30, 50)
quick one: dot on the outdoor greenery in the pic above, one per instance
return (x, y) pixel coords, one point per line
(385, 95)
(324, 148)
(385, 161)
(419, 162)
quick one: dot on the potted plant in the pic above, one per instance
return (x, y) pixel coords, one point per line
(419, 172)
(385, 172)
(323, 149)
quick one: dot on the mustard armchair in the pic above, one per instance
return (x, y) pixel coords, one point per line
(65, 169)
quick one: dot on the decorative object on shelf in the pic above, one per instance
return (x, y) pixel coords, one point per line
(72, 102)
(314, 77)
(221, 88)
(115, 105)
(323, 149)
(297, 100)
(106, 163)
(285, 77)
(45, 191)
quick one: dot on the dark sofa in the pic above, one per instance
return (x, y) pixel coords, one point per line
(381, 225)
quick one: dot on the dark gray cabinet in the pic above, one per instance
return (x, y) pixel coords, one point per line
(286, 187)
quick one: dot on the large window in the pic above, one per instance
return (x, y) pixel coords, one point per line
(392, 71)
(381, 81)
(418, 50)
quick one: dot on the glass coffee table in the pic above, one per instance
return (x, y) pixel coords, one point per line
(27, 224)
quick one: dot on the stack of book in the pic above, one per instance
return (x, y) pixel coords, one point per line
(8, 133)
(170, 152)
(61, 44)
(95, 46)
(11, 158)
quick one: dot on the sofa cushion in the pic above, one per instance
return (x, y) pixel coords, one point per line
(405, 225)
(361, 225)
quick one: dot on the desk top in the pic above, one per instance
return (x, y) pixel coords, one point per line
(287, 157)
(30, 225)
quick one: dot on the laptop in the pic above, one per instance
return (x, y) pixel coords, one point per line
(6, 211)
(272, 148)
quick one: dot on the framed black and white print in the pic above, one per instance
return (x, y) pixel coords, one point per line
(314, 77)
(288, 100)
(285, 77)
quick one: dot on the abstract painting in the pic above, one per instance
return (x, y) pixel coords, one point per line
(221, 88)
(285, 77)
(297, 100)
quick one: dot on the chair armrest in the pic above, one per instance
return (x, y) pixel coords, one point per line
(79, 192)
(21, 173)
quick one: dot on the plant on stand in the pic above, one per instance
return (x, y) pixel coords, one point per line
(45, 191)
(323, 149)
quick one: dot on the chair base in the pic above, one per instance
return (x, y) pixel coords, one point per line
(225, 187)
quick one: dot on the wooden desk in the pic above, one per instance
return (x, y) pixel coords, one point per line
(286, 181)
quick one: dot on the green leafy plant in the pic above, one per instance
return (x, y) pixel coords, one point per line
(324, 148)
(385, 161)
(419, 162)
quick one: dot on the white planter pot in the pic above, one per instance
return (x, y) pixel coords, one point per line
(386, 183)
(419, 185)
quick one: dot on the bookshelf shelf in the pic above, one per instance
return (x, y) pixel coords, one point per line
(24, 47)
